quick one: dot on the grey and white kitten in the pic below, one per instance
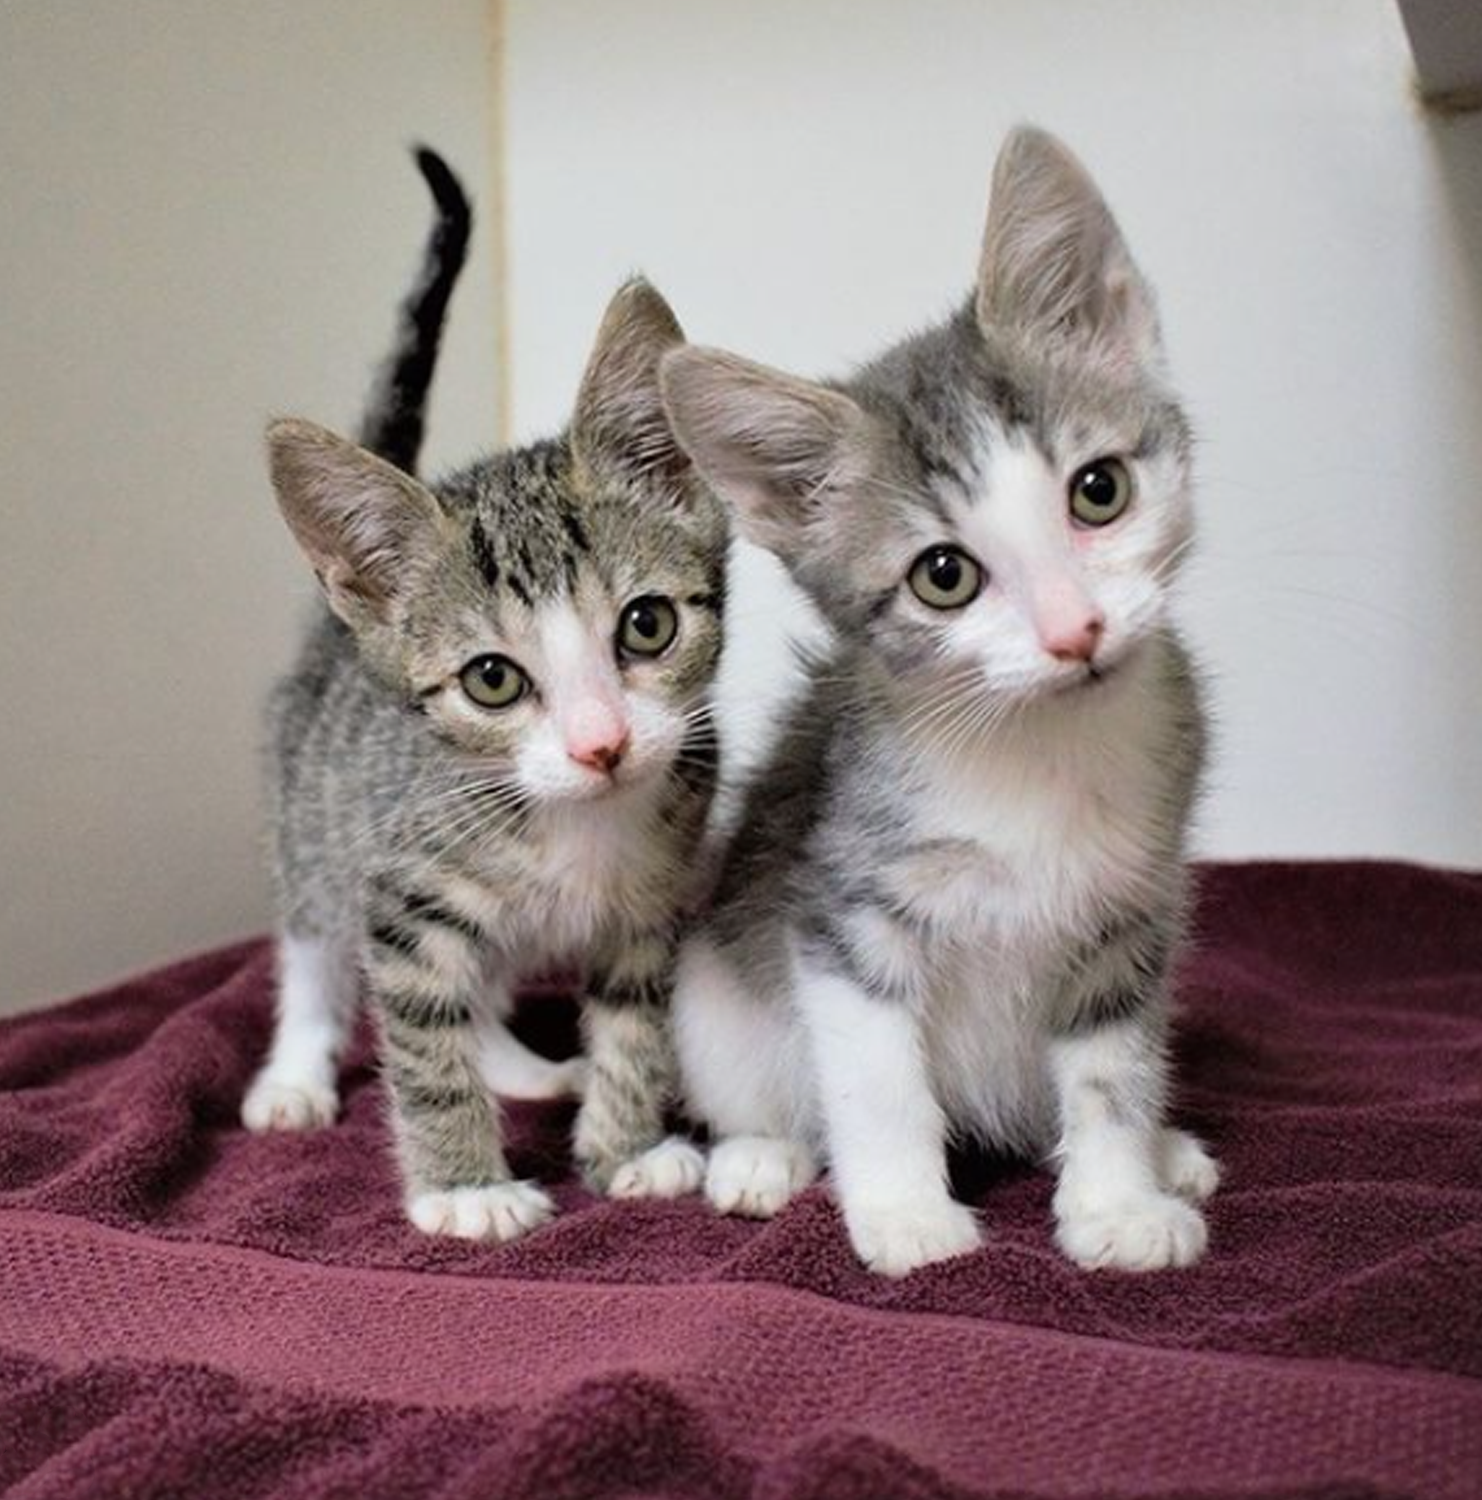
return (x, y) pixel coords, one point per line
(495, 759)
(952, 905)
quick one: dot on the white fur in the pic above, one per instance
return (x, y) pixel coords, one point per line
(586, 700)
(1041, 568)
(510, 1069)
(1185, 1167)
(295, 1089)
(595, 866)
(1111, 1208)
(1057, 813)
(501, 1211)
(669, 1170)
(741, 1062)
(886, 1133)
(757, 1175)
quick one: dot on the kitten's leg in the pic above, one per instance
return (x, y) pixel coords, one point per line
(631, 1077)
(1112, 1205)
(426, 971)
(740, 1065)
(886, 1132)
(295, 1089)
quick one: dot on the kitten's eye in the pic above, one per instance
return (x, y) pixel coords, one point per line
(1100, 492)
(647, 625)
(493, 681)
(945, 578)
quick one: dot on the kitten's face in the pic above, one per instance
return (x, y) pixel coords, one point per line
(1020, 536)
(553, 612)
(567, 634)
(1003, 500)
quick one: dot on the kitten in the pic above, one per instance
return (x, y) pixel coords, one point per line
(495, 757)
(957, 889)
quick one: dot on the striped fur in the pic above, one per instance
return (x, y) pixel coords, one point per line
(445, 851)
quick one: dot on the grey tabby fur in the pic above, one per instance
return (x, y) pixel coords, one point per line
(959, 882)
(445, 850)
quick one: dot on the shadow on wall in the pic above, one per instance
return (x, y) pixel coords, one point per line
(1456, 143)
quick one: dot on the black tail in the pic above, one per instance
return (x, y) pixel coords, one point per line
(395, 417)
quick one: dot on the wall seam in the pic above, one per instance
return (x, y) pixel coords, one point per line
(498, 201)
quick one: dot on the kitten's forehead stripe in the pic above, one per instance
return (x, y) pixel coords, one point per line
(575, 530)
(483, 553)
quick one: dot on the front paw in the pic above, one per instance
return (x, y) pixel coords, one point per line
(669, 1170)
(756, 1175)
(280, 1103)
(1148, 1233)
(895, 1238)
(500, 1211)
(1185, 1167)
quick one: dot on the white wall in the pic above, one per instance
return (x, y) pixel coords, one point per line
(207, 215)
(806, 180)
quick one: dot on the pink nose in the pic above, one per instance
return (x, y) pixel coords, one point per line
(603, 755)
(1076, 640)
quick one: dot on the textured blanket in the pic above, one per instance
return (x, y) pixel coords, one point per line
(189, 1310)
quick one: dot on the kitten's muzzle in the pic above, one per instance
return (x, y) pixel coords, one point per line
(605, 756)
(1076, 639)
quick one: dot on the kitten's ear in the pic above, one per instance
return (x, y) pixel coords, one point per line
(770, 444)
(619, 426)
(358, 519)
(1055, 268)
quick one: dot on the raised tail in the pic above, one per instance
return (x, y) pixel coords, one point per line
(395, 417)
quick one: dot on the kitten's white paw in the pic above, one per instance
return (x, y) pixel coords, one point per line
(512, 1070)
(894, 1239)
(1148, 1233)
(1185, 1167)
(755, 1175)
(564, 1080)
(501, 1211)
(668, 1170)
(277, 1103)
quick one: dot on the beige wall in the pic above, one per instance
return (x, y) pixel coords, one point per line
(806, 179)
(207, 215)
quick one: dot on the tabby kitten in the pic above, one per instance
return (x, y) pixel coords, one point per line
(494, 759)
(957, 889)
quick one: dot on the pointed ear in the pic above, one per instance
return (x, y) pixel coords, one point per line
(619, 426)
(1055, 268)
(768, 443)
(358, 519)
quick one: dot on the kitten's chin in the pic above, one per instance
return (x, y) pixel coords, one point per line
(615, 787)
(1092, 679)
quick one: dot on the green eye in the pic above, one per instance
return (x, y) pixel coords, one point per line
(945, 578)
(1100, 492)
(493, 681)
(647, 625)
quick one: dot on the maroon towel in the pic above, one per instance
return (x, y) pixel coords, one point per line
(189, 1310)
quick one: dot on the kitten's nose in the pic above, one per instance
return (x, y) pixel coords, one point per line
(603, 755)
(1075, 640)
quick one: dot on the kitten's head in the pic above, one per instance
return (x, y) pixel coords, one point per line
(554, 611)
(1004, 497)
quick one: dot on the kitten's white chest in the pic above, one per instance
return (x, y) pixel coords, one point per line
(592, 869)
(1048, 835)
(1064, 825)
